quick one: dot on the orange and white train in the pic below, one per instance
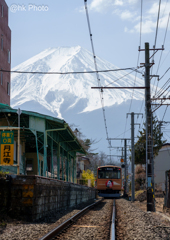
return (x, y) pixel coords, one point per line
(109, 181)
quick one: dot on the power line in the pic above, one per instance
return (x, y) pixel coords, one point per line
(157, 23)
(62, 73)
(162, 89)
(164, 73)
(97, 75)
(165, 58)
(156, 33)
(163, 42)
(140, 37)
(161, 51)
(141, 23)
(164, 112)
(124, 76)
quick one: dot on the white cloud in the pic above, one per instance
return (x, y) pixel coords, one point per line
(147, 27)
(118, 3)
(128, 30)
(164, 10)
(81, 9)
(130, 10)
(163, 22)
(133, 1)
(149, 19)
(101, 5)
(126, 15)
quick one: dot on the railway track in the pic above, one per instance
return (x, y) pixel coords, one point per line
(97, 221)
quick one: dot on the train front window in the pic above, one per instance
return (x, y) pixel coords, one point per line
(109, 173)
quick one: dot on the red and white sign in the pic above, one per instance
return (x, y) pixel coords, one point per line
(109, 184)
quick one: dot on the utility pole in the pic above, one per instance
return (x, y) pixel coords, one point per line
(148, 126)
(149, 145)
(125, 161)
(133, 154)
(133, 158)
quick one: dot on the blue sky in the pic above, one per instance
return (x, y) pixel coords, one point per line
(115, 25)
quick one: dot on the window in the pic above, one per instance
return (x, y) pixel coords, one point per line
(2, 10)
(1, 78)
(9, 56)
(110, 173)
(29, 165)
(2, 43)
(8, 88)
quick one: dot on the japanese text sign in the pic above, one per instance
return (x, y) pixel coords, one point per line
(7, 148)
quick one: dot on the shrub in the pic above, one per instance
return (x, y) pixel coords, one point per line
(3, 174)
(140, 175)
(137, 186)
(89, 175)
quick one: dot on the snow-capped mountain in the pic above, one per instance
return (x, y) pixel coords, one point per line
(54, 93)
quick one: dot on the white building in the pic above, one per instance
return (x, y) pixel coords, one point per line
(162, 164)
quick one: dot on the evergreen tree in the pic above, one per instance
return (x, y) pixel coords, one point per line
(140, 146)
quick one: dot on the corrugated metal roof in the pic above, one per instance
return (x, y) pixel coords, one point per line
(66, 135)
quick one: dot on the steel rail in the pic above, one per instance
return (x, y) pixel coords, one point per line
(112, 229)
(65, 224)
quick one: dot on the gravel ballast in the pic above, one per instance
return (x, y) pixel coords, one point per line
(133, 223)
(18, 230)
(95, 224)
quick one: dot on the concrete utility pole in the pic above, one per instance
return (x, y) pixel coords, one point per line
(133, 158)
(149, 145)
(125, 161)
(149, 131)
(133, 154)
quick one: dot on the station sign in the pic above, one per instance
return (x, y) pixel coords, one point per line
(7, 148)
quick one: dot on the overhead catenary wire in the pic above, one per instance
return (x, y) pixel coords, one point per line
(164, 112)
(164, 73)
(165, 58)
(162, 51)
(97, 72)
(140, 39)
(163, 87)
(141, 124)
(121, 77)
(156, 34)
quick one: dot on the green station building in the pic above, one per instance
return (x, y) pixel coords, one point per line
(41, 145)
